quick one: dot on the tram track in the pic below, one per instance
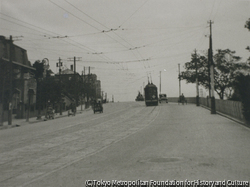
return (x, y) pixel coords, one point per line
(92, 118)
(92, 130)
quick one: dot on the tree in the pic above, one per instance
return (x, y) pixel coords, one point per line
(39, 69)
(201, 63)
(247, 25)
(226, 63)
(242, 85)
(48, 88)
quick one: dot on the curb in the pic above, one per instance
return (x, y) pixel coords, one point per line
(22, 122)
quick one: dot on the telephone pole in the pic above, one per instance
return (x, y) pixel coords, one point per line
(196, 79)
(75, 78)
(11, 79)
(59, 65)
(210, 59)
(74, 59)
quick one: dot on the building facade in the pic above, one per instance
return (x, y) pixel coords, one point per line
(92, 86)
(18, 85)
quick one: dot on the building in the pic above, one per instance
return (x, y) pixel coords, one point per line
(92, 86)
(98, 89)
(72, 85)
(18, 85)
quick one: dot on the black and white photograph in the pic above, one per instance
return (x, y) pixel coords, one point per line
(124, 93)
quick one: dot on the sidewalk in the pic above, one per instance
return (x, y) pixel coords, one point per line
(21, 122)
(229, 117)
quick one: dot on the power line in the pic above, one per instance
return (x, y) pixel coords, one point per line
(35, 29)
(86, 14)
(133, 13)
(105, 27)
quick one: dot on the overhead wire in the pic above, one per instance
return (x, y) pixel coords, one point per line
(133, 13)
(86, 22)
(45, 33)
(186, 38)
(105, 27)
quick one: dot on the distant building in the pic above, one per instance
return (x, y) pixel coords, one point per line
(72, 86)
(92, 86)
(98, 89)
(20, 81)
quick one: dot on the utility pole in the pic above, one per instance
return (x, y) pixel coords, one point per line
(11, 79)
(179, 80)
(87, 88)
(74, 59)
(210, 59)
(82, 91)
(209, 74)
(89, 84)
(84, 86)
(75, 79)
(196, 78)
(59, 65)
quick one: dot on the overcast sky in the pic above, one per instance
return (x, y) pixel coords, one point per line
(126, 41)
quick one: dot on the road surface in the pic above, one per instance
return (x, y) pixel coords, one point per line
(127, 142)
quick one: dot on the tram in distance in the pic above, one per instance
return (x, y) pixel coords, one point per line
(151, 95)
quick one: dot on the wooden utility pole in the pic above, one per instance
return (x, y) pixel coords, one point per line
(75, 78)
(196, 79)
(59, 65)
(209, 75)
(74, 59)
(11, 79)
(210, 59)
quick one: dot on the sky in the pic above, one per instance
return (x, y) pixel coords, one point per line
(126, 42)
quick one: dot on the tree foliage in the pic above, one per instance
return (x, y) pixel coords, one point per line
(226, 64)
(48, 88)
(242, 85)
(39, 69)
(247, 25)
(202, 70)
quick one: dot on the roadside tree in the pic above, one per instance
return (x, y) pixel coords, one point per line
(226, 64)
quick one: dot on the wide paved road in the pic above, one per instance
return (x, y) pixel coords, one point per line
(127, 142)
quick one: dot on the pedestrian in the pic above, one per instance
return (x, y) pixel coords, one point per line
(182, 98)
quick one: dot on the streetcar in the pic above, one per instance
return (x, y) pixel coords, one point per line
(151, 95)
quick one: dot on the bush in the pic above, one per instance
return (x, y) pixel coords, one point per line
(242, 86)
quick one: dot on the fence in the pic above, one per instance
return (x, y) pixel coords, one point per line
(189, 99)
(230, 108)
